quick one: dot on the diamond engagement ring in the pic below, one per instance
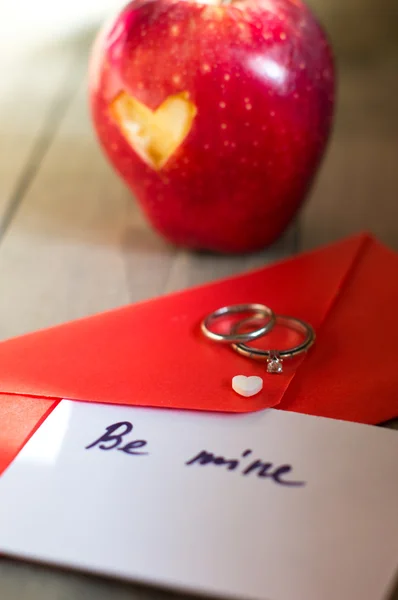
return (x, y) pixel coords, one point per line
(275, 357)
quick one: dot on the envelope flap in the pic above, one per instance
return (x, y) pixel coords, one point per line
(22, 416)
(353, 373)
(153, 354)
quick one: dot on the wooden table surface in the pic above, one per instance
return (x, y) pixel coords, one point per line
(72, 241)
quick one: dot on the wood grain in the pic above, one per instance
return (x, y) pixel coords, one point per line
(357, 186)
(30, 111)
(358, 183)
(62, 257)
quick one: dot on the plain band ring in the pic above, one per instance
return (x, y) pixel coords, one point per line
(259, 310)
(275, 357)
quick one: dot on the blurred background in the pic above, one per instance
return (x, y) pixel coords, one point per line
(72, 241)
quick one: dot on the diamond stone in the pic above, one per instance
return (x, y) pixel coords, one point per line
(274, 363)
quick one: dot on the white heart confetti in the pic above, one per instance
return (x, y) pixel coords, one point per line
(247, 386)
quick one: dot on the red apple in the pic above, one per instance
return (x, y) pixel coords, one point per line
(215, 114)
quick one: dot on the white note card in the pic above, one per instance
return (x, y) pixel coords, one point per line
(265, 506)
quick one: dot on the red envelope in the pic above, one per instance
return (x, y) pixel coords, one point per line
(153, 353)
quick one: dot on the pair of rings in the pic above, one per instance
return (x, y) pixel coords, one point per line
(267, 318)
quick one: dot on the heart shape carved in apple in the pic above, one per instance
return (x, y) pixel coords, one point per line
(154, 135)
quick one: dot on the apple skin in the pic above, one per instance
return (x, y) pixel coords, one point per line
(261, 75)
